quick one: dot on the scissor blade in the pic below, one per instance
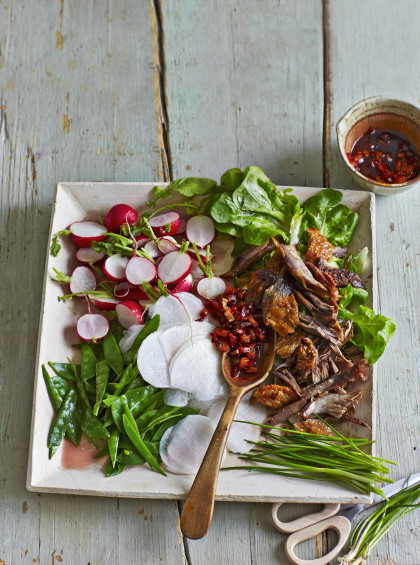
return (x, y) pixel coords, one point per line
(398, 486)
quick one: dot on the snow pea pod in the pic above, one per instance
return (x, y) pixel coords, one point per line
(132, 431)
(130, 458)
(151, 326)
(137, 382)
(161, 415)
(62, 420)
(64, 370)
(102, 376)
(110, 471)
(88, 362)
(128, 375)
(57, 388)
(113, 441)
(112, 353)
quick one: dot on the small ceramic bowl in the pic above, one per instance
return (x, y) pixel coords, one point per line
(380, 113)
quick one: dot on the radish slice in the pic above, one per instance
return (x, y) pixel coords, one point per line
(167, 244)
(158, 349)
(140, 270)
(114, 268)
(182, 226)
(125, 290)
(83, 233)
(183, 286)
(165, 224)
(129, 337)
(88, 255)
(142, 240)
(118, 215)
(240, 432)
(152, 249)
(174, 267)
(175, 310)
(186, 370)
(82, 280)
(129, 313)
(201, 252)
(92, 327)
(200, 230)
(196, 271)
(183, 447)
(104, 303)
(211, 288)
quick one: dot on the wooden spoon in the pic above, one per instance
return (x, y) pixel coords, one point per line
(198, 509)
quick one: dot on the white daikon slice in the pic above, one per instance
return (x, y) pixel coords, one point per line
(176, 310)
(183, 447)
(129, 336)
(240, 432)
(196, 368)
(174, 397)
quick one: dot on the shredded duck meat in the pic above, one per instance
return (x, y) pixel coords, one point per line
(287, 344)
(306, 358)
(275, 396)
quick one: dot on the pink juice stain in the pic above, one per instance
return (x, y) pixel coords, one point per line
(81, 456)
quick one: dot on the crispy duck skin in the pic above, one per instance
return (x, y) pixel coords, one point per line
(300, 271)
(306, 358)
(313, 426)
(318, 246)
(340, 379)
(249, 257)
(260, 281)
(279, 306)
(287, 344)
(274, 396)
(341, 277)
(335, 405)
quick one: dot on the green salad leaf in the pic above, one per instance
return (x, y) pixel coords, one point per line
(334, 220)
(192, 186)
(351, 297)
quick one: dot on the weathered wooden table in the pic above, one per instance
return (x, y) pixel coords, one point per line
(133, 91)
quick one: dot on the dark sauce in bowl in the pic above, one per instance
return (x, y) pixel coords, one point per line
(385, 156)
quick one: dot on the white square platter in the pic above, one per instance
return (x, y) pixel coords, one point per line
(80, 201)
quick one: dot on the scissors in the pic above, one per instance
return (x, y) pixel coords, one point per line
(338, 517)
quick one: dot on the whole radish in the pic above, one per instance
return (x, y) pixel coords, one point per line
(119, 215)
(83, 233)
(129, 313)
(92, 327)
(183, 286)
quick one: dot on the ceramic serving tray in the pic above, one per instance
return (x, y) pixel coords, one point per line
(80, 201)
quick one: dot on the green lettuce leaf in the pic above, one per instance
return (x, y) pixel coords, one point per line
(334, 220)
(192, 186)
(351, 298)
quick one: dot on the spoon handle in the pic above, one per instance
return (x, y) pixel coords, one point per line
(198, 508)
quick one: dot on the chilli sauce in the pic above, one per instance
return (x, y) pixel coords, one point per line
(385, 156)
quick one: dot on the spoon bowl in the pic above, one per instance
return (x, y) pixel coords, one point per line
(198, 509)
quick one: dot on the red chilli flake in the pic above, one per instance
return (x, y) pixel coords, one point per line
(239, 334)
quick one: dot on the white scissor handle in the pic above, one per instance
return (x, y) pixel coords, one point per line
(303, 522)
(338, 523)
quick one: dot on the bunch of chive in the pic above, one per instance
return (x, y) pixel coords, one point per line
(303, 455)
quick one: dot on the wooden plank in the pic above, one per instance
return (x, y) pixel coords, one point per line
(244, 86)
(80, 101)
(379, 60)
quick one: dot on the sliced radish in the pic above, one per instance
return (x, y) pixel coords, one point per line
(114, 268)
(152, 249)
(119, 215)
(201, 252)
(200, 230)
(174, 267)
(83, 233)
(89, 256)
(181, 228)
(183, 286)
(140, 270)
(167, 244)
(183, 447)
(165, 224)
(196, 271)
(142, 240)
(92, 327)
(129, 313)
(82, 280)
(211, 288)
(104, 303)
(125, 290)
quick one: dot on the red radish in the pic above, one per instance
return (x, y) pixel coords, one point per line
(174, 267)
(140, 270)
(165, 224)
(200, 230)
(129, 313)
(83, 233)
(152, 249)
(114, 268)
(125, 291)
(196, 271)
(104, 303)
(167, 244)
(201, 252)
(82, 280)
(183, 286)
(92, 327)
(181, 228)
(89, 255)
(119, 215)
(142, 240)
(211, 288)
